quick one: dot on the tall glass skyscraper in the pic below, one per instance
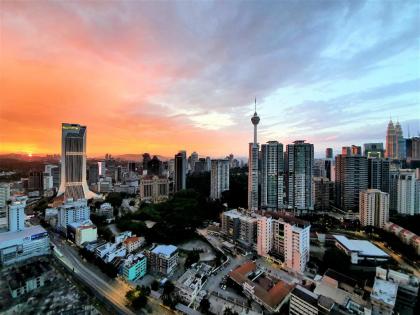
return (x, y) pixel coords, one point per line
(300, 161)
(73, 163)
(272, 175)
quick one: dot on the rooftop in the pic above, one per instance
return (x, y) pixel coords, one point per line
(27, 232)
(364, 248)
(268, 289)
(166, 250)
(384, 291)
(19, 276)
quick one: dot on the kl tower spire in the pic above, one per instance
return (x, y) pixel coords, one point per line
(253, 165)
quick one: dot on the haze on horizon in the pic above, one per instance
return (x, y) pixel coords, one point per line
(160, 77)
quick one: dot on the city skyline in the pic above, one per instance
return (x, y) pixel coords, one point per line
(183, 76)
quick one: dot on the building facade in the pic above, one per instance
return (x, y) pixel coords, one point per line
(299, 172)
(73, 163)
(180, 171)
(219, 178)
(351, 178)
(374, 208)
(154, 188)
(272, 176)
(406, 192)
(72, 211)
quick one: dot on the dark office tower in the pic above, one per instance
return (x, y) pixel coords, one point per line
(93, 173)
(131, 166)
(35, 180)
(73, 163)
(154, 167)
(180, 171)
(146, 159)
(56, 175)
(356, 150)
(351, 177)
(374, 150)
(328, 166)
(328, 153)
(323, 188)
(378, 174)
(299, 171)
(272, 175)
(199, 167)
(413, 148)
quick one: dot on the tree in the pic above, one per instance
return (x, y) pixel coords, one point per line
(155, 285)
(205, 305)
(132, 203)
(229, 311)
(192, 257)
(337, 260)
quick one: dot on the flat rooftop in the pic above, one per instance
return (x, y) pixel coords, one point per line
(384, 291)
(364, 248)
(27, 232)
(166, 250)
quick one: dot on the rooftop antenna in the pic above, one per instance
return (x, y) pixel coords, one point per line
(408, 130)
(255, 104)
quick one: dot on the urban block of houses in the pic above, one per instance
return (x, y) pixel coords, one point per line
(190, 284)
(263, 288)
(360, 250)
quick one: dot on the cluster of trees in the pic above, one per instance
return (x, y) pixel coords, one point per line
(169, 298)
(192, 257)
(137, 298)
(392, 241)
(107, 268)
(236, 196)
(176, 218)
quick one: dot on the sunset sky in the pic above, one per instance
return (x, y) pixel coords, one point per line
(160, 77)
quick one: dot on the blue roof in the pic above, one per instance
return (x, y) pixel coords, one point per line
(166, 250)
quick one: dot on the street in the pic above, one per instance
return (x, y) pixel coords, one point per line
(112, 290)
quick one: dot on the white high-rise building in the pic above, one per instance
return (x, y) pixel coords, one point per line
(16, 216)
(4, 194)
(286, 239)
(373, 208)
(406, 192)
(296, 246)
(253, 172)
(47, 181)
(264, 235)
(72, 211)
(219, 181)
(299, 172)
(272, 175)
(73, 163)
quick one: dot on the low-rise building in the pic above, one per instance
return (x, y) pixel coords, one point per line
(82, 232)
(383, 297)
(20, 245)
(408, 288)
(190, 284)
(133, 243)
(263, 288)
(72, 211)
(106, 210)
(360, 250)
(27, 278)
(135, 267)
(305, 302)
(163, 259)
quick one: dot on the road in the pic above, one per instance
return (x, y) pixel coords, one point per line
(398, 258)
(113, 292)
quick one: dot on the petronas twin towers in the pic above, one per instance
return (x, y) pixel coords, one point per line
(395, 142)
